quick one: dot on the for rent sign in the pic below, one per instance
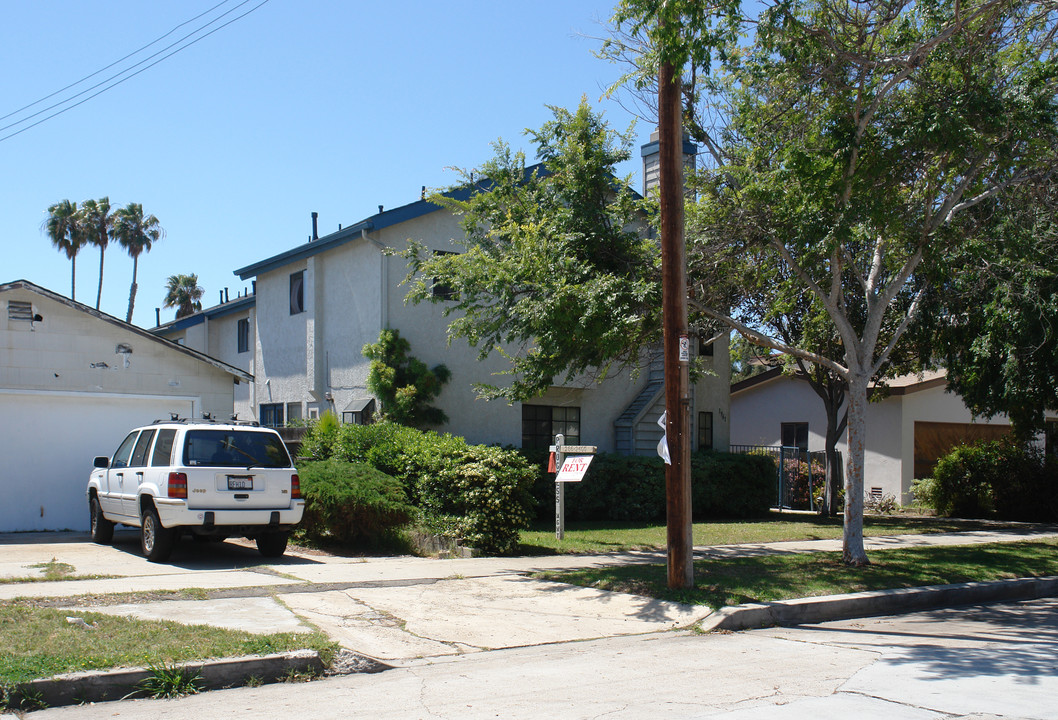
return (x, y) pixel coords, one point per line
(573, 468)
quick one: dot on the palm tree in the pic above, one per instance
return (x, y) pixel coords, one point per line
(183, 293)
(136, 234)
(98, 225)
(63, 226)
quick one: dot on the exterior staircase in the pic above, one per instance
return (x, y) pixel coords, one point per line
(636, 431)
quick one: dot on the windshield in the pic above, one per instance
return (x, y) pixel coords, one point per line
(234, 448)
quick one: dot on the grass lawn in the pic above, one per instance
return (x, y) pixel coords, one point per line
(38, 642)
(582, 537)
(733, 581)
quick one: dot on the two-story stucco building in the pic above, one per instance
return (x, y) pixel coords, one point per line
(302, 330)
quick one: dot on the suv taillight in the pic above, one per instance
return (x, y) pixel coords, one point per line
(178, 485)
(295, 487)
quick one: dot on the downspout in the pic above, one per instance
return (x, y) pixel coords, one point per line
(383, 266)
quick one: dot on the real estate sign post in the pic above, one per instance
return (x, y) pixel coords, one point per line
(569, 469)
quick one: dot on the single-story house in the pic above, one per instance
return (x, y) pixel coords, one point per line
(909, 426)
(73, 382)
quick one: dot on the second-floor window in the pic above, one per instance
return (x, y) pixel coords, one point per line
(244, 335)
(297, 292)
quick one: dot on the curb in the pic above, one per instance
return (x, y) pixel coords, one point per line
(873, 603)
(107, 685)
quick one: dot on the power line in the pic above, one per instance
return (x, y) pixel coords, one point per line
(128, 77)
(116, 62)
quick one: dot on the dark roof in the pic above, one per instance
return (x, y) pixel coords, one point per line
(754, 380)
(378, 221)
(197, 318)
(901, 385)
(136, 330)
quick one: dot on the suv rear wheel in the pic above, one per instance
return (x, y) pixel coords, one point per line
(157, 541)
(102, 529)
(272, 544)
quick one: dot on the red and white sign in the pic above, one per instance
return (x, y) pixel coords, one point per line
(573, 468)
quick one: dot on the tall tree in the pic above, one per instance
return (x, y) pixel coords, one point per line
(98, 224)
(183, 293)
(850, 142)
(64, 228)
(137, 233)
(555, 275)
(997, 321)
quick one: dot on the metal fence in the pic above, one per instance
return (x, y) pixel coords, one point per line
(800, 476)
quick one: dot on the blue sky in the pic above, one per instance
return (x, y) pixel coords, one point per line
(300, 106)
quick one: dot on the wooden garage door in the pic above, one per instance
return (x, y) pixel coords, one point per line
(934, 440)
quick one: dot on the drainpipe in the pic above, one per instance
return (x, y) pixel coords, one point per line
(383, 266)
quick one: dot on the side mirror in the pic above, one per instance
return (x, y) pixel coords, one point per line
(102, 462)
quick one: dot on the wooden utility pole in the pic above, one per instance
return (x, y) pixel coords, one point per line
(676, 336)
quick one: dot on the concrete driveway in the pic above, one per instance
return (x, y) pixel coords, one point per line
(394, 609)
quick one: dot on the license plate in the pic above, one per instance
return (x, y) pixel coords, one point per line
(240, 483)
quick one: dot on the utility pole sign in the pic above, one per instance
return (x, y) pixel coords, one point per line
(570, 469)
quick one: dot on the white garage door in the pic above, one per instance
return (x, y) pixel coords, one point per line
(47, 446)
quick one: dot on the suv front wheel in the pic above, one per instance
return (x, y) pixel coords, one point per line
(102, 529)
(157, 541)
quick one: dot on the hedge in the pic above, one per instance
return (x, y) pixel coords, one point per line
(632, 488)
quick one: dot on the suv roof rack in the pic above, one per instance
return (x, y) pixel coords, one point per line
(208, 420)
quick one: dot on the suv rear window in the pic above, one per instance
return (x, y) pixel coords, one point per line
(234, 448)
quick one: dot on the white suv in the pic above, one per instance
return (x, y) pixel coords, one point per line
(210, 479)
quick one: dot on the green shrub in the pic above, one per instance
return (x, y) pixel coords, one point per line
(1001, 479)
(731, 485)
(484, 491)
(351, 502)
(487, 488)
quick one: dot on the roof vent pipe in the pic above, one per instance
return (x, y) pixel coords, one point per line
(226, 296)
(315, 233)
(221, 297)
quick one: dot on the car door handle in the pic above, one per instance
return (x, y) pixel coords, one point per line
(139, 478)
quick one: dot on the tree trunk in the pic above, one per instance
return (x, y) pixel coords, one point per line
(831, 491)
(99, 292)
(132, 290)
(73, 278)
(852, 550)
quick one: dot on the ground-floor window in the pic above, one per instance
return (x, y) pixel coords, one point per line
(795, 435)
(270, 414)
(540, 424)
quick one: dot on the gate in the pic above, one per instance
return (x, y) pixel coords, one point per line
(798, 474)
